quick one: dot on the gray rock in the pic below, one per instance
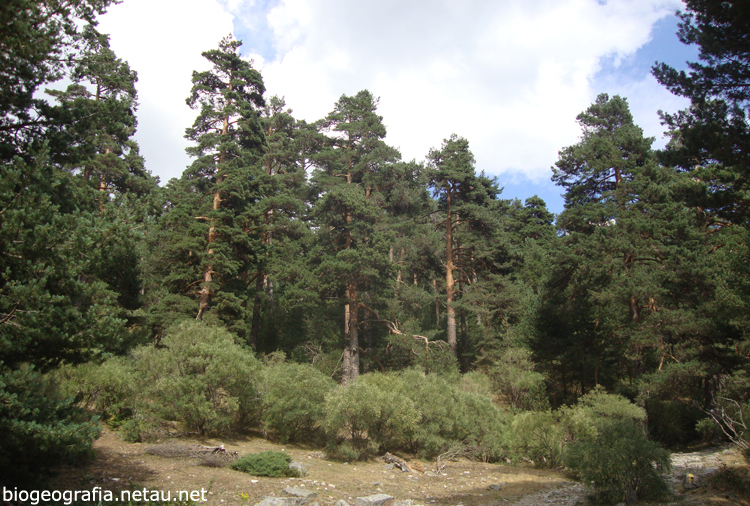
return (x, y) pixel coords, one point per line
(281, 501)
(372, 500)
(389, 466)
(341, 502)
(299, 468)
(405, 502)
(300, 492)
(431, 474)
(496, 486)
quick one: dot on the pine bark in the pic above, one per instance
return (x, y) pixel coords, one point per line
(205, 293)
(450, 284)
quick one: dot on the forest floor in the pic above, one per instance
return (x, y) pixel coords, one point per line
(134, 466)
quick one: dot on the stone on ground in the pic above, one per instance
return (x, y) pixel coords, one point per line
(372, 500)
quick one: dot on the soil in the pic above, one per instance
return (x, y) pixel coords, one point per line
(129, 466)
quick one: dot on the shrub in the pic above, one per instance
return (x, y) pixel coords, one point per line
(541, 436)
(293, 397)
(269, 463)
(411, 411)
(108, 389)
(437, 359)
(583, 419)
(451, 416)
(40, 429)
(537, 436)
(373, 412)
(620, 460)
(199, 376)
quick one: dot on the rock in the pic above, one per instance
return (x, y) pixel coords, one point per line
(389, 467)
(300, 492)
(406, 502)
(431, 474)
(341, 502)
(690, 481)
(299, 468)
(372, 500)
(281, 501)
(496, 486)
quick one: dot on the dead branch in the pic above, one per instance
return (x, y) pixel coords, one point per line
(400, 463)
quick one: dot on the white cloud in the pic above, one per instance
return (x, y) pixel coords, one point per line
(162, 40)
(509, 75)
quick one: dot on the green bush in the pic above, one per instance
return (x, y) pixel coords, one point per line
(541, 436)
(372, 412)
(108, 389)
(269, 463)
(199, 376)
(411, 411)
(450, 415)
(619, 459)
(538, 436)
(293, 400)
(40, 430)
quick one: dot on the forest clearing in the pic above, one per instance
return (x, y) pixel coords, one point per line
(304, 283)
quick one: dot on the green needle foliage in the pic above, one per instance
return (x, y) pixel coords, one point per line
(41, 429)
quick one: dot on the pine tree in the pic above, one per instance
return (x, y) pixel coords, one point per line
(636, 271)
(229, 138)
(712, 137)
(281, 221)
(466, 200)
(98, 110)
(348, 180)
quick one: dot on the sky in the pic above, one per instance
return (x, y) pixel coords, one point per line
(508, 75)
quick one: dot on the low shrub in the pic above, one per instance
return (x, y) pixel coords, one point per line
(450, 415)
(269, 463)
(108, 389)
(516, 383)
(537, 436)
(373, 412)
(620, 462)
(199, 376)
(293, 401)
(411, 411)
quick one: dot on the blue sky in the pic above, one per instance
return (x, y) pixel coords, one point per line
(509, 75)
(619, 77)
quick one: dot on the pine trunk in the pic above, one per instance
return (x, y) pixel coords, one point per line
(205, 293)
(450, 284)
